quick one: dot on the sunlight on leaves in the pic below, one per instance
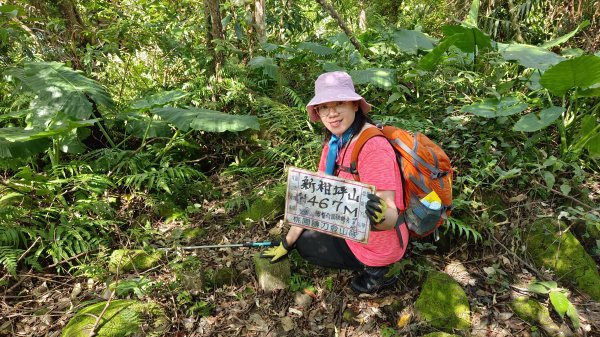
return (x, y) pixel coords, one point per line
(470, 40)
(411, 41)
(429, 61)
(159, 99)
(580, 72)
(206, 120)
(492, 107)
(529, 56)
(383, 78)
(532, 122)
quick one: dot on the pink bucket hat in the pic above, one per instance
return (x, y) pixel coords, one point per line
(331, 87)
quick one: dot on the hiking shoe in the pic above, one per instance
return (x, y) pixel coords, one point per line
(371, 280)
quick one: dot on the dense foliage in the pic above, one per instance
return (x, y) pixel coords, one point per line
(116, 116)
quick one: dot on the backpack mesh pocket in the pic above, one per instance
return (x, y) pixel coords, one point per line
(420, 218)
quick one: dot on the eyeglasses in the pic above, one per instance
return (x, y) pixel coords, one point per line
(325, 109)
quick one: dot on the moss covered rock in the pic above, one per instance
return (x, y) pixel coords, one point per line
(268, 206)
(532, 312)
(563, 253)
(121, 318)
(124, 260)
(443, 303)
(272, 276)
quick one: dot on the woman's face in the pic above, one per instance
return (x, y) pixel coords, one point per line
(337, 116)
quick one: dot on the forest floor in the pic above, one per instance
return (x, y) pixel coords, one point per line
(320, 303)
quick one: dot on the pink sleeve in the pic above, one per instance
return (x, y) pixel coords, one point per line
(376, 162)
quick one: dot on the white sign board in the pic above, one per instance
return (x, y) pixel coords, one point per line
(327, 204)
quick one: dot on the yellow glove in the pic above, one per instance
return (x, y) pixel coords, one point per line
(278, 252)
(375, 209)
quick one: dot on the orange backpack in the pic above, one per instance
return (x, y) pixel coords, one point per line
(426, 177)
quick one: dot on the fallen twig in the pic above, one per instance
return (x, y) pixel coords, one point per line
(69, 259)
(564, 195)
(528, 265)
(112, 294)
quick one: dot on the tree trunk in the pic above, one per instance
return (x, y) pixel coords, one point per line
(213, 25)
(260, 20)
(512, 11)
(329, 8)
(75, 26)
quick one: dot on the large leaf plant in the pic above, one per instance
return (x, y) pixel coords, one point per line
(63, 101)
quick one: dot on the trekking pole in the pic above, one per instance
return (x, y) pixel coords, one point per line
(245, 244)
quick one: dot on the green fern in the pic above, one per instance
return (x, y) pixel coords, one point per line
(299, 102)
(9, 257)
(64, 241)
(12, 236)
(459, 228)
(161, 179)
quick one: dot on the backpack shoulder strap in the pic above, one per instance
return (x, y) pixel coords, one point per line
(360, 142)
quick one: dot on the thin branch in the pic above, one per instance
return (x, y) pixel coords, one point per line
(69, 259)
(28, 249)
(334, 14)
(564, 195)
(112, 294)
(528, 265)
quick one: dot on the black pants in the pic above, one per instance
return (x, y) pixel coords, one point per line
(326, 251)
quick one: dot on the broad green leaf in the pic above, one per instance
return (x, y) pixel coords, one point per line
(590, 92)
(11, 11)
(268, 66)
(471, 38)
(589, 126)
(593, 146)
(529, 56)
(549, 179)
(71, 143)
(532, 122)
(542, 287)
(158, 100)
(471, 18)
(581, 72)
(431, 59)
(16, 134)
(562, 39)
(411, 41)
(492, 107)
(327, 66)
(565, 188)
(15, 114)
(383, 78)
(206, 120)
(560, 302)
(137, 125)
(61, 89)
(316, 48)
(23, 149)
(269, 47)
(504, 175)
(573, 315)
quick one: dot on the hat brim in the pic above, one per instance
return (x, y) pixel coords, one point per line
(320, 99)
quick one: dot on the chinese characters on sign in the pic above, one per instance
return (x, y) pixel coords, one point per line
(327, 204)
